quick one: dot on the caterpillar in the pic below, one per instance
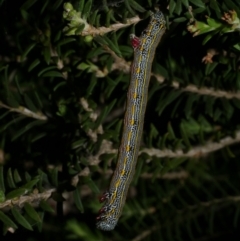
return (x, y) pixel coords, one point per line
(144, 51)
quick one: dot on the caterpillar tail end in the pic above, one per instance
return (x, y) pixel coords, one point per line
(105, 225)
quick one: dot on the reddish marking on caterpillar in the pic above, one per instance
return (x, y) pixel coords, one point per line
(135, 41)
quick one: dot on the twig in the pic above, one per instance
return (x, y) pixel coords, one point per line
(60, 64)
(119, 63)
(24, 111)
(195, 151)
(146, 233)
(169, 175)
(106, 147)
(90, 30)
(201, 91)
(32, 199)
(93, 116)
(211, 203)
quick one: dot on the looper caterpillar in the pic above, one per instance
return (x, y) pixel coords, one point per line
(144, 50)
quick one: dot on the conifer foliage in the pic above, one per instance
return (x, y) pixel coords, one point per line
(64, 72)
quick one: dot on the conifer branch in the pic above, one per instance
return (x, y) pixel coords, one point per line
(76, 19)
(123, 65)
